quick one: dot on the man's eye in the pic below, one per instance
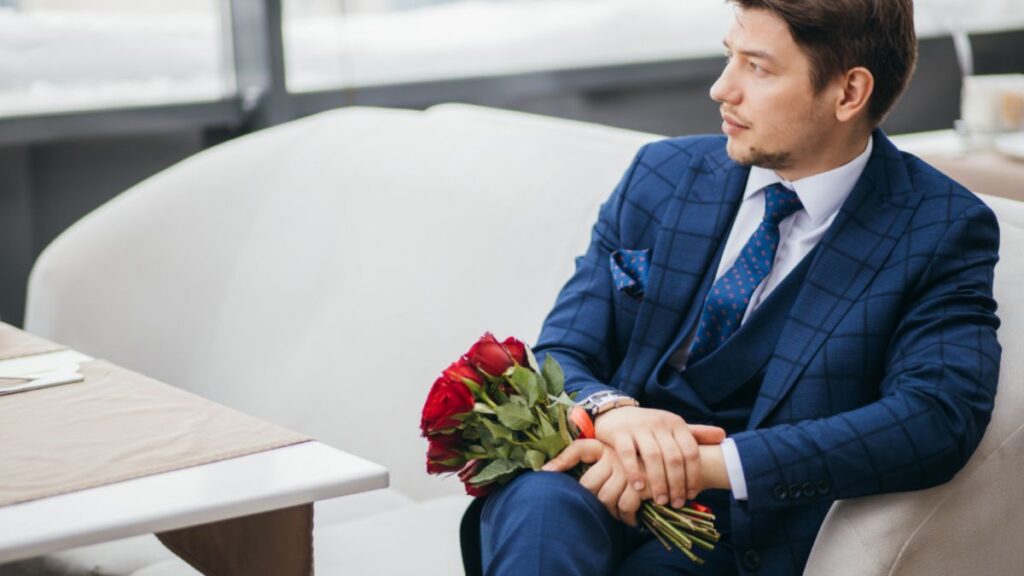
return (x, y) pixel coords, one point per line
(756, 67)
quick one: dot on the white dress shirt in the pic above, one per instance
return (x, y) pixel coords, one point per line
(821, 195)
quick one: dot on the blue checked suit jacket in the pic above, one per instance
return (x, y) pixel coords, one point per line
(884, 376)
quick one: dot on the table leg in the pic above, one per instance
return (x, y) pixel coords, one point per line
(277, 543)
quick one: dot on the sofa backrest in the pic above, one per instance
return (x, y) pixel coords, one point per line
(970, 524)
(322, 273)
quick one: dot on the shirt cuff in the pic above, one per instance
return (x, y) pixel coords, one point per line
(734, 468)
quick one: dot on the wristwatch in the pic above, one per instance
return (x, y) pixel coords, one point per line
(601, 402)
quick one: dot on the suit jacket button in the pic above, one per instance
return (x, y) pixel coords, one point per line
(779, 492)
(823, 488)
(751, 560)
(794, 491)
(809, 489)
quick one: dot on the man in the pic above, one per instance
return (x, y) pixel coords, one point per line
(800, 286)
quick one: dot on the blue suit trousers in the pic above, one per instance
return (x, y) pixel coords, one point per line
(547, 523)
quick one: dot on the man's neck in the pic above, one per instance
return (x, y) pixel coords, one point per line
(828, 158)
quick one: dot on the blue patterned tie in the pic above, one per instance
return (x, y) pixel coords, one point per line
(729, 296)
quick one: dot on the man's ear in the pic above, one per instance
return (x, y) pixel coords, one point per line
(856, 86)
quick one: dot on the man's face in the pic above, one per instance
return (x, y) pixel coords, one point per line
(770, 111)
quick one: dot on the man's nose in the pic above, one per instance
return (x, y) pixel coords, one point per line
(725, 89)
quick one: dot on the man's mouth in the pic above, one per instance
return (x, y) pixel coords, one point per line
(732, 120)
(731, 126)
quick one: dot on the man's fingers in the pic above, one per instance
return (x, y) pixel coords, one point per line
(587, 451)
(675, 467)
(596, 476)
(707, 434)
(610, 493)
(691, 456)
(629, 503)
(654, 465)
(626, 450)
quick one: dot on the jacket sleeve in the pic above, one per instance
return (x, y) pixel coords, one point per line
(579, 332)
(936, 397)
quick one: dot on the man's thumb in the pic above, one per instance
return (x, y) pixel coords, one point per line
(564, 461)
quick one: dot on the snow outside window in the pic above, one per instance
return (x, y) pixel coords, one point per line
(64, 55)
(60, 55)
(351, 43)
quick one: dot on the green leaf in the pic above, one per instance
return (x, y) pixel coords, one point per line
(475, 451)
(515, 416)
(543, 385)
(552, 444)
(563, 428)
(497, 432)
(535, 459)
(482, 408)
(554, 376)
(546, 427)
(504, 451)
(498, 395)
(473, 386)
(525, 382)
(531, 360)
(495, 469)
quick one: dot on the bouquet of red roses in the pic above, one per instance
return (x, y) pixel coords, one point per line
(495, 413)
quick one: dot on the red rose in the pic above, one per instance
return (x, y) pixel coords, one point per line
(448, 397)
(517, 349)
(478, 491)
(443, 454)
(467, 473)
(463, 369)
(493, 357)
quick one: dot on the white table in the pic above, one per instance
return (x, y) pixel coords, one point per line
(260, 482)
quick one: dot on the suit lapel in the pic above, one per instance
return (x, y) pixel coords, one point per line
(862, 236)
(696, 220)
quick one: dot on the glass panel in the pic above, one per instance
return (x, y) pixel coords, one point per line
(61, 55)
(939, 17)
(345, 43)
(341, 43)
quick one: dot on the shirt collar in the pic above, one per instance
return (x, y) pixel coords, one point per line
(821, 194)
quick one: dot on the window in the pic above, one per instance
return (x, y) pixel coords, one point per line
(63, 55)
(339, 43)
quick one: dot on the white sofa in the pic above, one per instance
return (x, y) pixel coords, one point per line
(321, 273)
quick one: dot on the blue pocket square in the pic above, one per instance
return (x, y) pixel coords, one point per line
(629, 270)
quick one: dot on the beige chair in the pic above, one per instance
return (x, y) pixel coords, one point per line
(320, 274)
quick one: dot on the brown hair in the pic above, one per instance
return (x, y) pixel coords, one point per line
(838, 35)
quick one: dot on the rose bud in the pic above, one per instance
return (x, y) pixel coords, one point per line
(447, 398)
(478, 491)
(467, 473)
(463, 369)
(490, 356)
(470, 470)
(443, 454)
(516, 349)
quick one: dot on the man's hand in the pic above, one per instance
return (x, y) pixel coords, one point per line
(606, 478)
(658, 451)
